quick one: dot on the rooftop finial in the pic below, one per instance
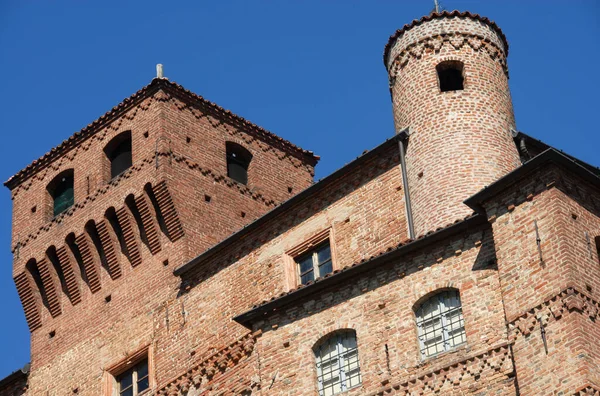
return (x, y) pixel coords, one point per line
(159, 70)
(437, 6)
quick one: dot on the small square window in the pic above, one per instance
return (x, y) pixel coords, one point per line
(134, 381)
(314, 263)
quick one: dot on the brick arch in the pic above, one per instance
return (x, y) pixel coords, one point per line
(327, 331)
(424, 294)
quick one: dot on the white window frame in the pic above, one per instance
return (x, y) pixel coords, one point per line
(340, 355)
(445, 311)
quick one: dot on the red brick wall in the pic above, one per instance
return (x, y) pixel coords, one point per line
(561, 290)
(89, 333)
(460, 141)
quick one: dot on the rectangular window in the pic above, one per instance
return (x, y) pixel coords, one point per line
(315, 263)
(133, 381)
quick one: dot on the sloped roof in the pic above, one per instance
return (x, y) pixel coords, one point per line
(154, 86)
(439, 15)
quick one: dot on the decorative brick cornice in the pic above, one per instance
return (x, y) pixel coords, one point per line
(587, 390)
(441, 380)
(223, 180)
(568, 300)
(217, 363)
(440, 15)
(80, 205)
(113, 119)
(435, 42)
(136, 168)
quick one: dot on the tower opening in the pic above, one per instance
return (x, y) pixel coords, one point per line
(61, 192)
(118, 152)
(450, 76)
(238, 161)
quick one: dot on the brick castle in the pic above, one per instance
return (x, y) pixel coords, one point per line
(172, 247)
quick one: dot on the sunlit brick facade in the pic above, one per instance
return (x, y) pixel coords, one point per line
(174, 248)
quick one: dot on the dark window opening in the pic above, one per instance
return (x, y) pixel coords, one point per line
(238, 161)
(118, 152)
(450, 75)
(61, 191)
(315, 263)
(597, 240)
(135, 380)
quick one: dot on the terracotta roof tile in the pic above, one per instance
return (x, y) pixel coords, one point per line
(154, 86)
(438, 15)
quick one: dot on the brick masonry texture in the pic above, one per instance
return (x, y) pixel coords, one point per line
(460, 141)
(163, 260)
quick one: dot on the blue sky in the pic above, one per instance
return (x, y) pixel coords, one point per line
(310, 71)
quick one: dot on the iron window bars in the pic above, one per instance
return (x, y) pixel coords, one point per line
(440, 323)
(315, 263)
(338, 368)
(135, 380)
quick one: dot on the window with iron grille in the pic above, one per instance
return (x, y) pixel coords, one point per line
(338, 369)
(134, 381)
(315, 263)
(440, 323)
(61, 191)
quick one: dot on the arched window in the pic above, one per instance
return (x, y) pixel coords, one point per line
(440, 323)
(337, 363)
(61, 192)
(450, 75)
(238, 160)
(118, 151)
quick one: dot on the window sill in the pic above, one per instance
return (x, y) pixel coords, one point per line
(464, 347)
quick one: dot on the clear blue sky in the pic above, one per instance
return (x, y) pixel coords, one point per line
(310, 71)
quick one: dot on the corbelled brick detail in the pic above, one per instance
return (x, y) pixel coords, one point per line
(109, 244)
(131, 240)
(28, 300)
(495, 365)
(51, 287)
(91, 262)
(168, 211)
(213, 366)
(149, 222)
(68, 270)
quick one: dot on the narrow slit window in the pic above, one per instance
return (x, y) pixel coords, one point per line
(62, 192)
(450, 76)
(118, 152)
(238, 161)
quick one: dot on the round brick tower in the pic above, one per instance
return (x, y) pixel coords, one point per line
(449, 86)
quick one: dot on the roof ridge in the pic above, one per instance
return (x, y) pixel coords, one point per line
(438, 15)
(155, 85)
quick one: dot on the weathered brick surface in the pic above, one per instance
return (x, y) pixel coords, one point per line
(557, 283)
(97, 283)
(460, 141)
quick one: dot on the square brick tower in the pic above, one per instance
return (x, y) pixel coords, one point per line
(100, 222)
